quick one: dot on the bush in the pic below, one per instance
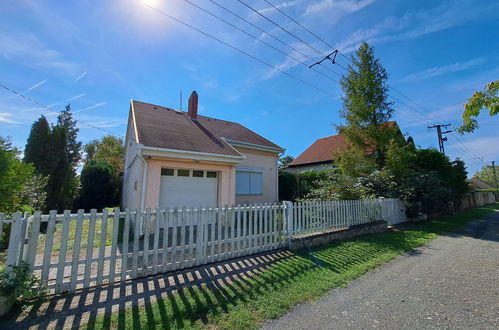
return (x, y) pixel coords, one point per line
(20, 283)
(293, 186)
(98, 186)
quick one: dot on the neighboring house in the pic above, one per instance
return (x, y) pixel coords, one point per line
(477, 183)
(175, 158)
(319, 155)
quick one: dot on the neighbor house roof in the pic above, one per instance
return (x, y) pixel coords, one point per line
(479, 183)
(166, 128)
(322, 150)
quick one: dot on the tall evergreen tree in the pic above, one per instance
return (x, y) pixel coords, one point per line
(73, 147)
(38, 146)
(59, 186)
(366, 109)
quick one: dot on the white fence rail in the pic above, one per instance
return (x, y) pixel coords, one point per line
(71, 251)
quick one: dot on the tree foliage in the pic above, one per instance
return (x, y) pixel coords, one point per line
(55, 153)
(97, 189)
(16, 191)
(109, 149)
(486, 99)
(285, 160)
(487, 174)
(366, 109)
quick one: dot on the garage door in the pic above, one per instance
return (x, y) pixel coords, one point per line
(183, 187)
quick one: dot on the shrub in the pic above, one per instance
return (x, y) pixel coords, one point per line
(20, 283)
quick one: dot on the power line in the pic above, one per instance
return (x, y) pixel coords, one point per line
(272, 36)
(234, 47)
(280, 27)
(256, 38)
(55, 111)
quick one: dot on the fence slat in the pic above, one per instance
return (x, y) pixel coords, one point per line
(102, 246)
(90, 248)
(62, 252)
(136, 239)
(114, 245)
(147, 233)
(155, 262)
(166, 234)
(126, 239)
(76, 250)
(49, 241)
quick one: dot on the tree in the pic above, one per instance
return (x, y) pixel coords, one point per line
(109, 149)
(73, 151)
(97, 186)
(487, 174)
(486, 99)
(38, 147)
(60, 191)
(14, 177)
(366, 109)
(285, 160)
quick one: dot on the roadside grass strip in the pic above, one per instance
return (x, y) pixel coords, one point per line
(305, 275)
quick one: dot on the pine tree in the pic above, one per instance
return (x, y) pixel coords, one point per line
(38, 146)
(59, 188)
(73, 147)
(366, 109)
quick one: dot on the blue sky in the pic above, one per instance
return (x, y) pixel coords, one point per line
(97, 55)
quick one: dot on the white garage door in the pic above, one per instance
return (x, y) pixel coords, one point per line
(183, 187)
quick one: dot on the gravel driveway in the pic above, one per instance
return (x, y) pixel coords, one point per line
(452, 282)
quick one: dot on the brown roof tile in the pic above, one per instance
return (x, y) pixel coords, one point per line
(166, 128)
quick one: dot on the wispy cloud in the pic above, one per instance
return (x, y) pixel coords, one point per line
(282, 5)
(414, 24)
(442, 70)
(34, 86)
(81, 76)
(90, 107)
(76, 97)
(325, 7)
(5, 118)
(28, 49)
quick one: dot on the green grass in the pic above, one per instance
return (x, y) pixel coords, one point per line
(303, 276)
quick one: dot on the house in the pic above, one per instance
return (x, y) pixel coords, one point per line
(319, 155)
(477, 183)
(175, 158)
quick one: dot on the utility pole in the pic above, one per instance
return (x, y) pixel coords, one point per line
(494, 172)
(440, 134)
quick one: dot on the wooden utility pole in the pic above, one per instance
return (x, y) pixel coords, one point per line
(440, 134)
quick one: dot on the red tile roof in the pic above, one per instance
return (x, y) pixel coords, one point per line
(167, 128)
(323, 149)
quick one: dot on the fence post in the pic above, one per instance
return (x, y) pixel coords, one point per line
(15, 240)
(288, 219)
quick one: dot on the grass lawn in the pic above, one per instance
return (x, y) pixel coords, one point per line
(304, 276)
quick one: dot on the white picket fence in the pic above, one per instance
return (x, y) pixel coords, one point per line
(87, 249)
(312, 217)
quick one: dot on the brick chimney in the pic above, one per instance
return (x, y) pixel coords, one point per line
(193, 106)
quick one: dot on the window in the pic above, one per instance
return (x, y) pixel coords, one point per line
(183, 173)
(167, 171)
(249, 181)
(211, 174)
(198, 174)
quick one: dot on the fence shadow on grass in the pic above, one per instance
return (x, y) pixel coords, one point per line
(197, 290)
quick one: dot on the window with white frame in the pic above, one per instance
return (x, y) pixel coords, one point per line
(249, 181)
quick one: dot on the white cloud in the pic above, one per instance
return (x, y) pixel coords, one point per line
(282, 5)
(97, 105)
(81, 76)
(4, 118)
(27, 49)
(442, 70)
(325, 7)
(75, 97)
